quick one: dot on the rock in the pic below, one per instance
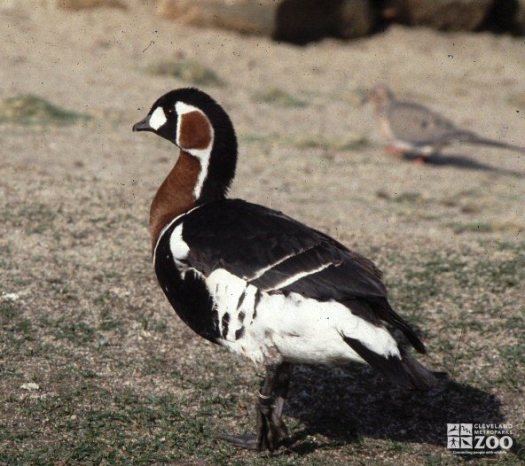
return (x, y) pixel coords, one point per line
(302, 21)
(83, 4)
(450, 15)
(245, 16)
(519, 19)
(298, 21)
(507, 16)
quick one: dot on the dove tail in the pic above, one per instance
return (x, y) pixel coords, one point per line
(474, 139)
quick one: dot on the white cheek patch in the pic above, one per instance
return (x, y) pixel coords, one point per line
(157, 118)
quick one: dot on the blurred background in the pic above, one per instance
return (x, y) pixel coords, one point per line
(95, 368)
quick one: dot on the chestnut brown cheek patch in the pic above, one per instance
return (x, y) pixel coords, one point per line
(195, 131)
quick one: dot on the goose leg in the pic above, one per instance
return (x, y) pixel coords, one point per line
(271, 430)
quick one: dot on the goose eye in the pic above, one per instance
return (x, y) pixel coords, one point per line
(170, 111)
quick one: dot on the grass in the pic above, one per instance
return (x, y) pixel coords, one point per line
(144, 429)
(408, 197)
(486, 227)
(35, 218)
(446, 270)
(517, 100)
(189, 71)
(490, 308)
(33, 110)
(155, 406)
(123, 381)
(356, 143)
(279, 97)
(81, 4)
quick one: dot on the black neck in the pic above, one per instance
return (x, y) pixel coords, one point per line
(223, 160)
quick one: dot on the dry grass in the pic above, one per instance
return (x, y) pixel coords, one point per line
(95, 368)
(190, 71)
(122, 380)
(279, 97)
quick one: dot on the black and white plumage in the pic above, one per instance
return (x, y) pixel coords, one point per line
(258, 282)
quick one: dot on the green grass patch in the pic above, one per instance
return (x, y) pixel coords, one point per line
(447, 272)
(34, 218)
(75, 332)
(7, 312)
(279, 97)
(112, 428)
(513, 372)
(16, 331)
(30, 109)
(517, 100)
(332, 145)
(190, 71)
(156, 394)
(485, 227)
(408, 197)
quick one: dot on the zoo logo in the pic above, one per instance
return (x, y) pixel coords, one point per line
(480, 439)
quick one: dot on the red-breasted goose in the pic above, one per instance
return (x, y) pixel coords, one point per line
(256, 281)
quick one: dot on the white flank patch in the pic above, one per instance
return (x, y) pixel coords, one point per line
(300, 275)
(226, 290)
(157, 118)
(302, 330)
(202, 154)
(178, 246)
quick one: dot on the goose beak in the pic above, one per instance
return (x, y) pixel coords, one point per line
(142, 125)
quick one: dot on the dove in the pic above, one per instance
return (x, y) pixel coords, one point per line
(411, 128)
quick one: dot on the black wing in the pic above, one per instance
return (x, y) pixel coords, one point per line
(280, 255)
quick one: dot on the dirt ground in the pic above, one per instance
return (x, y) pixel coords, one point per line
(95, 367)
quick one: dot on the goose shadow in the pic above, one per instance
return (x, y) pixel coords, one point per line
(347, 404)
(462, 162)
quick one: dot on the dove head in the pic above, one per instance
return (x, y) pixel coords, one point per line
(380, 95)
